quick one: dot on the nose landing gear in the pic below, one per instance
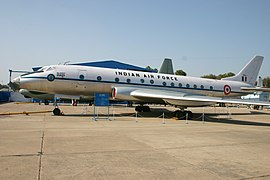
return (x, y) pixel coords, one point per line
(57, 111)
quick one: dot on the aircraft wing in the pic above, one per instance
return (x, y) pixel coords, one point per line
(186, 99)
(255, 89)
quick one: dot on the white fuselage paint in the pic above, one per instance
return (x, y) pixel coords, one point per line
(85, 81)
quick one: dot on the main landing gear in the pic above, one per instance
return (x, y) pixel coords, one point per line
(46, 102)
(182, 114)
(142, 108)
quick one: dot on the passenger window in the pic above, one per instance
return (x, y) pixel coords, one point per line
(128, 80)
(81, 77)
(195, 86)
(180, 84)
(116, 79)
(172, 84)
(152, 81)
(50, 77)
(142, 80)
(211, 88)
(187, 85)
(202, 87)
(99, 78)
(164, 83)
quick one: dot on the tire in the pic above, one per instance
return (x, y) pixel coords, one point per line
(146, 109)
(181, 115)
(46, 102)
(190, 114)
(57, 112)
(138, 108)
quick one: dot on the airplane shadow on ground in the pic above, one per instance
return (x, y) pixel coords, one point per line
(153, 114)
(243, 113)
(209, 117)
(213, 118)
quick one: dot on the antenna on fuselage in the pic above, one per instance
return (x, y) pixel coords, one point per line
(66, 62)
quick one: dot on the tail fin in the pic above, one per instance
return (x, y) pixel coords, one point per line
(166, 67)
(250, 72)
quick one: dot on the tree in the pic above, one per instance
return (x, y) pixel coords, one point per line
(229, 74)
(220, 76)
(180, 72)
(152, 69)
(266, 82)
(209, 76)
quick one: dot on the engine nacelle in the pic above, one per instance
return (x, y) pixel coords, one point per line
(123, 93)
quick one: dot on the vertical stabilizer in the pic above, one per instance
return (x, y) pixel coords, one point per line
(166, 67)
(250, 72)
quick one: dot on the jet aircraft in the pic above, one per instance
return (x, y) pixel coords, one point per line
(144, 87)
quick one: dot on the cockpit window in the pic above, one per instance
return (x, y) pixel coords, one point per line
(49, 68)
(46, 68)
(34, 72)
(43, 68)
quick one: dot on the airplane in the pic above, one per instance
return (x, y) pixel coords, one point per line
(144, 87)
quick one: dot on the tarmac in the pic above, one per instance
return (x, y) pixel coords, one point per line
(231, 143)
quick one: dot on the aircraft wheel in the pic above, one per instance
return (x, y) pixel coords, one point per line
(56, 112)
(142, 108)
(146, 109)
(222, 105)
(190, 114)
(176, 113)
(138, 109)
(181, 115)
(46, 102)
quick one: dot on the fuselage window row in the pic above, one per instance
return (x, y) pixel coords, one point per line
(99, 78)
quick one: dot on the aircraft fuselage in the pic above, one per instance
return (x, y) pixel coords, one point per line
(85, 81)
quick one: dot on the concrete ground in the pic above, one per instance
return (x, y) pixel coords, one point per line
(73, 146)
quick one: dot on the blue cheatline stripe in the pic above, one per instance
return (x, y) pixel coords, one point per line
(113, 82)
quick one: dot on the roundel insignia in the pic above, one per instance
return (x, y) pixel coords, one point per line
(50, 77)
(227, 89)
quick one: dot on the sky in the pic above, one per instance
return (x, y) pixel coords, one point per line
(200, 36)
